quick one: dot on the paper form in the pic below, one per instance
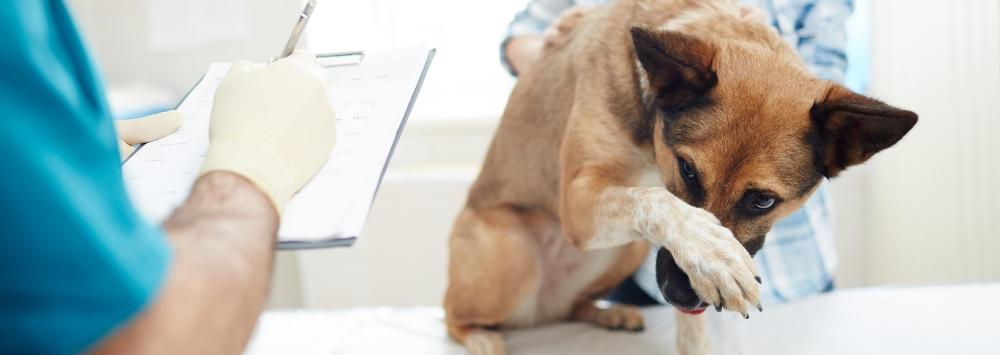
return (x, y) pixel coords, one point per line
(370, 99)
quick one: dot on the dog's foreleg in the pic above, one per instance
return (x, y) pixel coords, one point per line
(598, 212)
(691, 337)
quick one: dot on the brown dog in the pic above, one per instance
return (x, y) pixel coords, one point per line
(681, 123)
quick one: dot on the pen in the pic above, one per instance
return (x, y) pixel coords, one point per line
(300, 25)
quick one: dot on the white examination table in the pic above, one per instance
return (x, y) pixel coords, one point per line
(948, 320)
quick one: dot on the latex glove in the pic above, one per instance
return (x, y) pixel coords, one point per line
(272, 124)
(145, 129)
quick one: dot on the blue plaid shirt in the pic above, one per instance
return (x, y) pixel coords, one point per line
(798, 258)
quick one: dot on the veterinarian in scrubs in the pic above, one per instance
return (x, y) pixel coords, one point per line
(80, 271)
(798, 258)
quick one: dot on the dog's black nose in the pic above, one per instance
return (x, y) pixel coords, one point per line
(674, 283)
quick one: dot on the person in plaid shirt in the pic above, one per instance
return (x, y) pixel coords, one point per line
(798, 258)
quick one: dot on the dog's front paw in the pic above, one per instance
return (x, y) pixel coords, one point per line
(720, 269)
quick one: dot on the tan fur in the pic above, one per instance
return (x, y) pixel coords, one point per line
(563, 209)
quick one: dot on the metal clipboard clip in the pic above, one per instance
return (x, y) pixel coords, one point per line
(340, 59)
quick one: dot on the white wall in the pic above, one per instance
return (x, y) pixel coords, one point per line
(122, 35)
(925, 211)
(934, 200)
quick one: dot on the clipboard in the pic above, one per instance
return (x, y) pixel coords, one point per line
(341, 58)
(326, 60)
(356, 58)
(140, 193)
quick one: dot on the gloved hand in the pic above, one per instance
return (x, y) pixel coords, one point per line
(145, 129)
(272, 124)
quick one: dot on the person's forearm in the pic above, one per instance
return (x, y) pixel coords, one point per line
(524, 51)
(223, 240)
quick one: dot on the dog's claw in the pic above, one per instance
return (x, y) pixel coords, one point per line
(718, 308)
(760, 308)
(759, 281)
(746, 316)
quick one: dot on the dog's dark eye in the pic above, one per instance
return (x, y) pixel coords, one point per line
(695, 193)
(763, 202)
(687, 171)
(758, 203)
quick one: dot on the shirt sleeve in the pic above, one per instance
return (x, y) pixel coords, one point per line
(822, 36)
(533, 20)
(77, 261)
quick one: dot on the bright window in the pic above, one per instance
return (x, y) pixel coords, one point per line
(466, 80)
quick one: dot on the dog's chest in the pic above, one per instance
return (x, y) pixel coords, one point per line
(566, 273)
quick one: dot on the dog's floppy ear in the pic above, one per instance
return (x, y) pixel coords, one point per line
(678, 66)
(849, 128)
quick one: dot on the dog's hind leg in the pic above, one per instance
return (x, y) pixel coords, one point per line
(610, 315)
(691, 337)
(494, 275)
(607, 314)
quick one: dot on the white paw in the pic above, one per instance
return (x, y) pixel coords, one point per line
(720, 268)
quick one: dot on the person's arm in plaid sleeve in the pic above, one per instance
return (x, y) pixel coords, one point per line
(822, 37)
(524, 40)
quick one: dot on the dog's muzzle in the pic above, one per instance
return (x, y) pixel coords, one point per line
(675, 285)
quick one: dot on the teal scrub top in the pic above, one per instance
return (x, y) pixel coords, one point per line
(76, 261)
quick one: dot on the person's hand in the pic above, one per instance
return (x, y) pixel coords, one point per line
(145, 129)
(558, 32)
(272, 124)
(524, 51)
